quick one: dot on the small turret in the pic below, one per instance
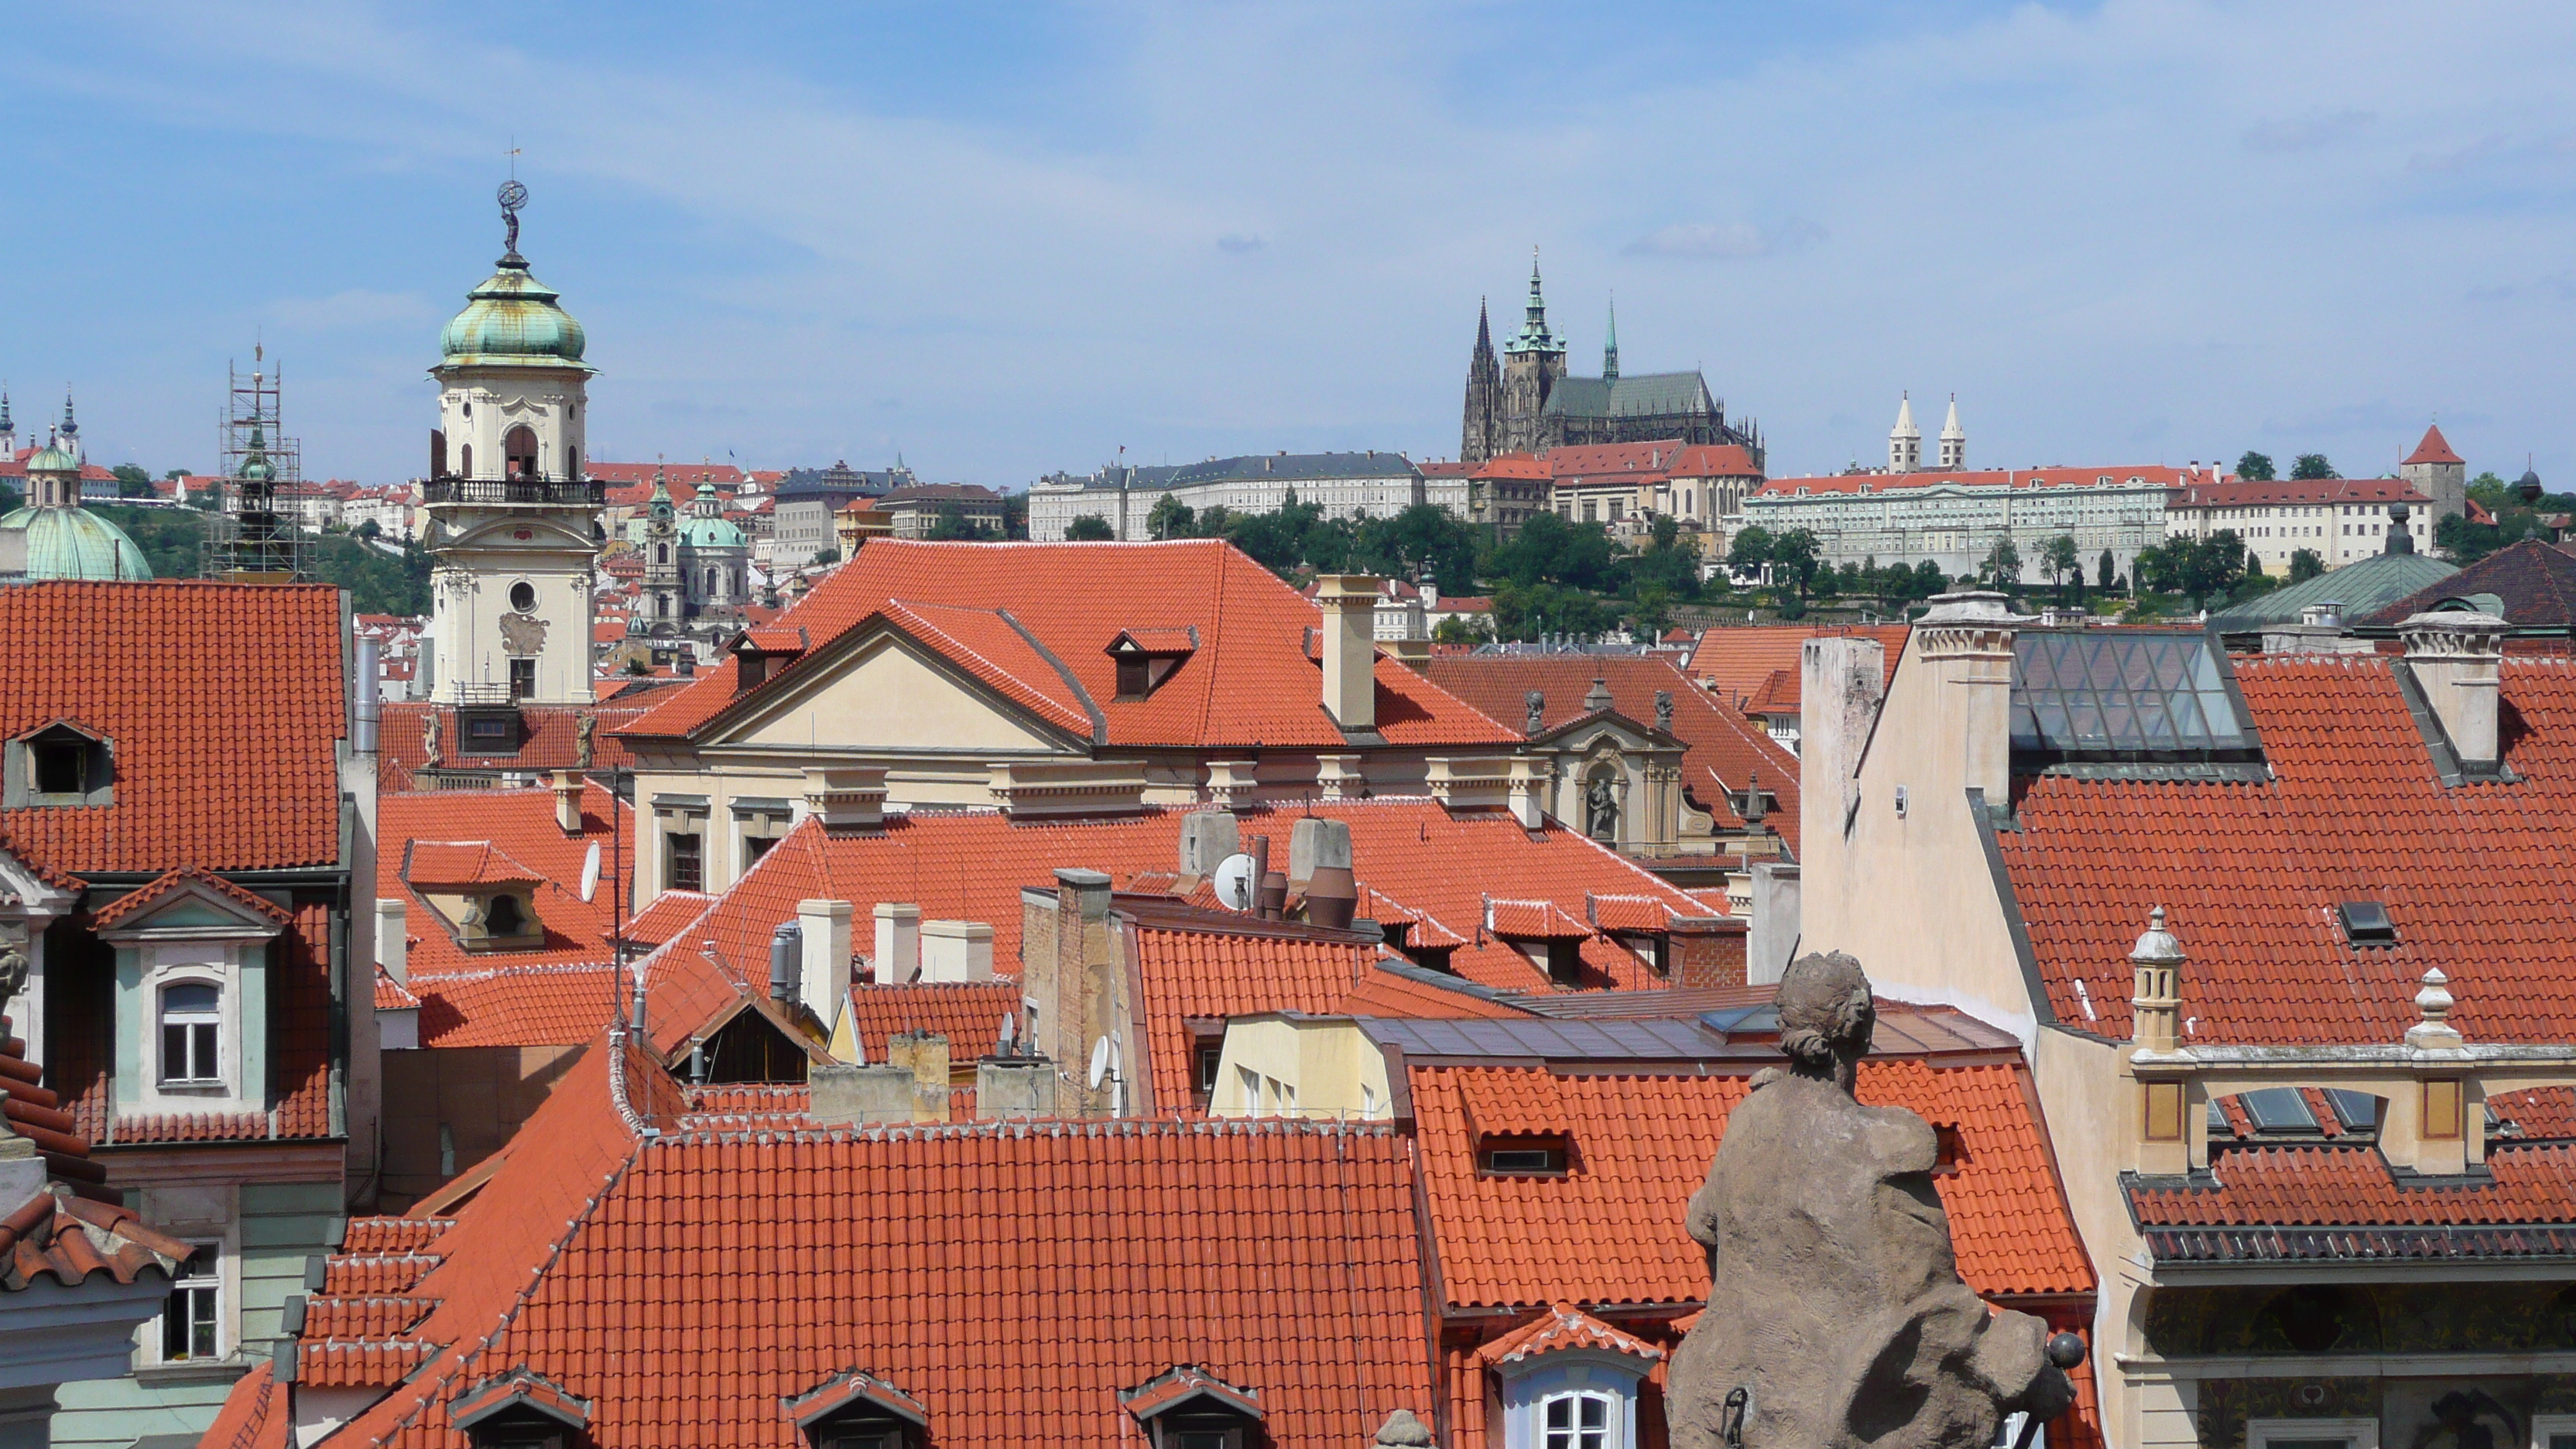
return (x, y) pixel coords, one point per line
(1904, 441)
(2156, 1004)
(1610, 346)
(1954, 440)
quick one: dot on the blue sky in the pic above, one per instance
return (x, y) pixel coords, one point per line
(1005, 240)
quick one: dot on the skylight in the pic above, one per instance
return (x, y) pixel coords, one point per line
(2278, 1109)
(2356, 1111)
(2366, 923)
(2123, 697)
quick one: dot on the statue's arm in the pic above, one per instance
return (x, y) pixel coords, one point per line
(1702, 1218)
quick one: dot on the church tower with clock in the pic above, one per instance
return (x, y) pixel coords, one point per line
(513, 522)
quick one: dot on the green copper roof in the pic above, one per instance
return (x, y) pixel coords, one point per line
(2360, 586)
(700, 532)
(513, 320)
(74, 543)
(50, 459)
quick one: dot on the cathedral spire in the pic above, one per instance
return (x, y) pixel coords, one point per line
(1537, 320)
(1610, 345)
(1482, 436)
(1484, 344)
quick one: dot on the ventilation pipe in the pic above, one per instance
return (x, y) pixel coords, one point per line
(786, 960)
(368, 708)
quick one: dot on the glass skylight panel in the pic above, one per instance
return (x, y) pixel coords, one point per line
(2357, 1111)
(2278, 1109)
(2121, 694)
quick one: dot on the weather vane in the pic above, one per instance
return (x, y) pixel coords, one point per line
(513, 196)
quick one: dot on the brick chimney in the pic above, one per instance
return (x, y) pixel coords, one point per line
(2457, 659)
(567, 788)
(1349, 602)
(898, 957)
(1706, 951)
(1076, 985)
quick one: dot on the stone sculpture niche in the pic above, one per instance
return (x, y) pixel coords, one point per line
(1836, 1317)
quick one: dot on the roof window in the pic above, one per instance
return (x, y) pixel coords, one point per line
(2354, 1111)
(1146, 657)
(2278, 1109)
(2136, 703)
(61, 764)
(1533, 1154)
(2366, 923)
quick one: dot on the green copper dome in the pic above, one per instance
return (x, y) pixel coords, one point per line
(50, 459)
(512, 319)
(707, 527)
(74, 543)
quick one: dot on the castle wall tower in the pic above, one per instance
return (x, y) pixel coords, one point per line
(1533, 364)
(2438, 473)
(1904, 441)
(513, 523)
(1954, 440)
(1482, 434)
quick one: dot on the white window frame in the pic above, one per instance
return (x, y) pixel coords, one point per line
(201, 1026)
(211, 1283)
(1574, 1431)
(2545, 1425)
(2356, 1433)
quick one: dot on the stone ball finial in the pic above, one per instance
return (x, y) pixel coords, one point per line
(1403, 1431)
(2156, 944)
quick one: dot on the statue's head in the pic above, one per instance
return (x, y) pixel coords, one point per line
(1825, 1015)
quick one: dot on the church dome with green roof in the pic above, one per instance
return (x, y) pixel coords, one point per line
(51, 459)
(707, 527)
(74, 543)
(513, 320)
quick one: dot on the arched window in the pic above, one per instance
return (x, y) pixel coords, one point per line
(520, 449)
(715, 583)
(504, 918)
(661, 553)
(465, 460)
(662, 605)
(572, 462)
(191, 1013)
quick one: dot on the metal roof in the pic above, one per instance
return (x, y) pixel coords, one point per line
(1644, 394)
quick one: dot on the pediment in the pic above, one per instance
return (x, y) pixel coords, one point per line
(877, 688)
(1587, 733)
(189, 904)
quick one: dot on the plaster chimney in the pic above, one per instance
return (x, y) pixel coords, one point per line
(393, 939)
(1207, 838)
(956, 951)
(2155, 1006)
(2458, 661)
(1528, 786)
(825, 927)
(567, 788)
(1841, 683)
(923, 1055)
(898, 942)
(1966, 639)
(1349, 602)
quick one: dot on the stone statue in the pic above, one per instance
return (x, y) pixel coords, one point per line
(1836, 1317)
(581, 733)
(13, 972)
(429, 734)
(1535, 702)
(1664, 710)
(1601, 809)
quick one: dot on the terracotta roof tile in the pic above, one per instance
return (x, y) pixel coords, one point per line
(2344, 1202)
(551, 740)
(537, 1005)
(1736, 660)
(2536, 582)
(2017, 478)
(158, 669)
(421, 832)
(968, 1013)
(1249, 684)
(464, 863)
(1564, 1326)
(135, 902)
(2251, 873)
(2434, 448)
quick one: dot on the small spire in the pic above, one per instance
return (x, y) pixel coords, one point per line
(1484, 344)
(71, 425)
(6, 426)
(1610, 344)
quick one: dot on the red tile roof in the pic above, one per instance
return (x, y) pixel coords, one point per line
(2269, 492)
(970, 865)
(518, 1005)
(1514, 465)
(668, 918)
(1208, 974)
(2524, 1208)
(2132, 475)
(134, 903)
(2251, 873)
(435, 863)
(1564, 1326)
(224, 754)
(517, 829)
(1721, 751)
(1250, 682)
(2434, 449)
(68, 1236)
(968, 1013)
(551, 740)
(607, 1268)
(2535, 582)
(1607, 1231)
(1736, 660)
(2541, 1112)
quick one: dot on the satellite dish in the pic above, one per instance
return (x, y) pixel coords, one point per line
(1099, 1062)
(1235, 883)
(590, 872)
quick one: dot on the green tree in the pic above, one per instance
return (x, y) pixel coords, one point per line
(951, 525)
(131, 481)
(2209, 569)
(1089, 528)
(2253, 563)
(1170, 518)
(370, 529)
(830, 555)
(1525, 611)
(1794, 557)
(2107, 572)
(2313, 465)
(1015, 515)
(1424, 543)
(1456, 629)
(2058, 558)
(1929, 580)
(2002, 564)
(1549, 549)
(2255, 467)
(1750, 550)
(2305, 564)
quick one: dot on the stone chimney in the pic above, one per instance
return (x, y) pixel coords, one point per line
(923, 1055)
(2155, 1006)
(826, 974)
(956, 951)
(1319, 864)
(567, 788)
(1840, 684)
(1075, 985)
(1350, 649)
(846, 798)
(2458, 660)
(1008, 1087)
(1597, 698)
(855, 1095)
(898, 956)
(1402, 1431)
(1967, 641)
(1207, 838)
(393, 938)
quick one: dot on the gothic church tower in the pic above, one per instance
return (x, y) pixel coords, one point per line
(1482, 436)
(513, 524)
(1533, 364)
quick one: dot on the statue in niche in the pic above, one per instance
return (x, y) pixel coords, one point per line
(1601, 808)
(14, 967)
(582, 730)
(1836, 1317)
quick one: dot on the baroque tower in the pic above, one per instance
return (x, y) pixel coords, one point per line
(1482, 436)
(1533, 364)
(513, 524)
(1904, 441)
(1954, 440)
(666, 599)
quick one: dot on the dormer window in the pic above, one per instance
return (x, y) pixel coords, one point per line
(520, 1409)
(1186, 1407)
(1146, 657)
(857, 1410)
(61, 764)
(192, 1021)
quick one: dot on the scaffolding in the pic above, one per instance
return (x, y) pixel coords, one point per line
(251, 540)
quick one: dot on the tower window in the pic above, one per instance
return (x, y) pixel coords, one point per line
(465, 454)
(523, 678)
(520, 448)
(523, 596)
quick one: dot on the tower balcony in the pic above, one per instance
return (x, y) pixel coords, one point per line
(561, 492)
